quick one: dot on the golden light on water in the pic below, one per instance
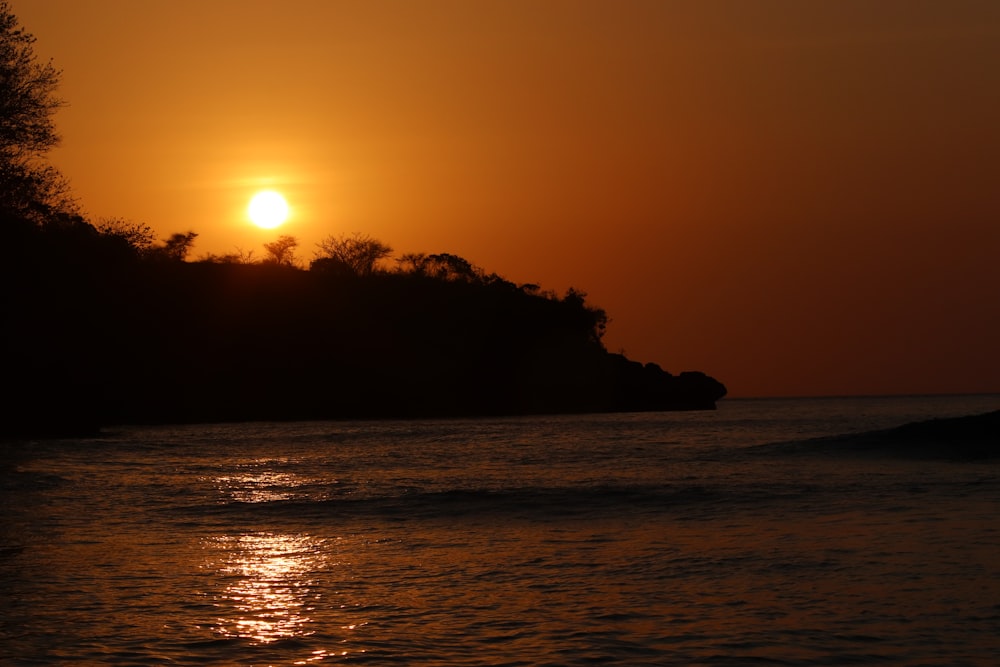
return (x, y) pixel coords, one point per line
(271, 592)
(259, 486)
(262, 481)
(270, 583)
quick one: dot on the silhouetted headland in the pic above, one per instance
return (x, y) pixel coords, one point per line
(971, 438)
(103, 331)
(102, 324)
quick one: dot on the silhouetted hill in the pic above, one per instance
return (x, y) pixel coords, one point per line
(98, 334)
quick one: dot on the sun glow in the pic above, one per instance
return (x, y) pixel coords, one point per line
(268, 209)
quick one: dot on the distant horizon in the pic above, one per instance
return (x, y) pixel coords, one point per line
(731, 397)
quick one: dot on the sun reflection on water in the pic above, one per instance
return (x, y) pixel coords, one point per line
(271, 591)
(259, 484)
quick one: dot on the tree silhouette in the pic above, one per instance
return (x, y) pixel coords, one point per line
(139, 236)
(358, 254)
(281, 251)
(238, 256)
(175, 248)
(29, 187)
(452, 267)
(413, 262)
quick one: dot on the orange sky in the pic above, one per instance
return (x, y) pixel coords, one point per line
(798, 198)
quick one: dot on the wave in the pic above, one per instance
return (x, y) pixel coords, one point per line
(969, 438)
(569, 503)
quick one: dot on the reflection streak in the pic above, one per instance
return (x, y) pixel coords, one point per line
(259, 484)
(271, 591)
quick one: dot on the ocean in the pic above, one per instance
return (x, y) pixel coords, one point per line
(623, 539)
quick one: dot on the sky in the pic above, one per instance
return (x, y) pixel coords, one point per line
(797, 198)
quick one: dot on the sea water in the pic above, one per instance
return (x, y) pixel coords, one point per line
(631, 539)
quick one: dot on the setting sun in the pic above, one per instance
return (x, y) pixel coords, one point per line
(268, 209)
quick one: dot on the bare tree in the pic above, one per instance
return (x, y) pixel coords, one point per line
(358, 254)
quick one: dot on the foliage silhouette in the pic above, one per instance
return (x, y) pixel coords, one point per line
(137, 236)
(175, 248)
(281, 251)
(29, 187)
(358, 254)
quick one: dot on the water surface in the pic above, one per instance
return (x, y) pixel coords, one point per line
(610, 539)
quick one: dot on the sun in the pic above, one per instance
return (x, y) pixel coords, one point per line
(268, 209)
